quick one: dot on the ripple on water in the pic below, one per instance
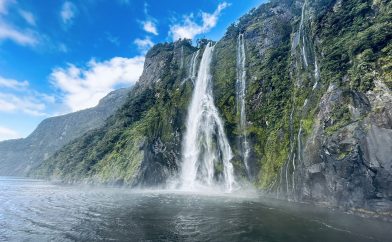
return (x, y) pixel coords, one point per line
(38, 211)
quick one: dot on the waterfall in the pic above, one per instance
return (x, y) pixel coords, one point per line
(205, 145)
(299, 154)
(302, 31)
(193, 66)
(316, 72)
(241, 92)
(299, 144)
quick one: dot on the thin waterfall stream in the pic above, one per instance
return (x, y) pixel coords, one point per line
(240, 95)
(206, 154)
(193, 66)
(302, 35)
(316, 72)
(293, 156)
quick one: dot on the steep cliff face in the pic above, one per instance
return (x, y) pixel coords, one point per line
(318, 108)
(318, 100)
(141, 144)
(17, 157)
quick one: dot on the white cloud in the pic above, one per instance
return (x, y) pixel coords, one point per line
(150, 24)
(144, 44)
(17, 97)
(13, 84)
(84, 87)
(6, 134)
(28, 17)
(4, 5)
(27, 104)
(189, 28)
(68, 12)
(11, 33)
(150, 27)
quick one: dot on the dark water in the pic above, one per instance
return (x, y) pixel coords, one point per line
(32, 210)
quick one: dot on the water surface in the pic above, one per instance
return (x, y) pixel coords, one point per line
(33, 210)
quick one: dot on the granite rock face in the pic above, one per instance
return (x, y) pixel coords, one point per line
(349, 167)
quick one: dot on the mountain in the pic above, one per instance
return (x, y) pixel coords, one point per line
(19, 156)
(303, 89)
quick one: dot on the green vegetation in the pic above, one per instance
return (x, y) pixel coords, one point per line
(275, 155)
(354, 36)
(352, 43)
(153, 114)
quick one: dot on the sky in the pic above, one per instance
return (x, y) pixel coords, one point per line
(61, 56)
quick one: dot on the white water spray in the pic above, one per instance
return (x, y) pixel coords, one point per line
(241, 93)
(206, 149)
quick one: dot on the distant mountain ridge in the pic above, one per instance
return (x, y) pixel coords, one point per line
(18, 156)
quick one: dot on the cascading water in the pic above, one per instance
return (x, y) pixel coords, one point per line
(205, 145)
(299, 40)
(193, 66)
(316, 72)
(241, 92)
(302, 34)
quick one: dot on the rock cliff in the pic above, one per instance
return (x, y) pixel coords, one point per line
(318, 104)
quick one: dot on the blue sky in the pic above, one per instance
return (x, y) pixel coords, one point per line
(61, 56)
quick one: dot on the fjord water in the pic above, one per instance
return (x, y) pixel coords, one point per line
(33, 210)
(205, 145)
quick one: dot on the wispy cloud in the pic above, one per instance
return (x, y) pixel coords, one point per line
(144, 44)
(28, 17)
(25, 37)
(27, 104)
(112, 39)
(17, 97)
(189, 28)
(150, 23)
(10, 32)
(83, 87)
(7, 133)
(68, 11)
(4, 6)
(62, 48)
(150, 27)
(13, 84)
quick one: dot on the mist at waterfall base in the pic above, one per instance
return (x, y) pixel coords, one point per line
(36, 210)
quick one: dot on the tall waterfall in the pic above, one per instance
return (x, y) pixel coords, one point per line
(241, 92)
(206, 150)
(302, 35)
